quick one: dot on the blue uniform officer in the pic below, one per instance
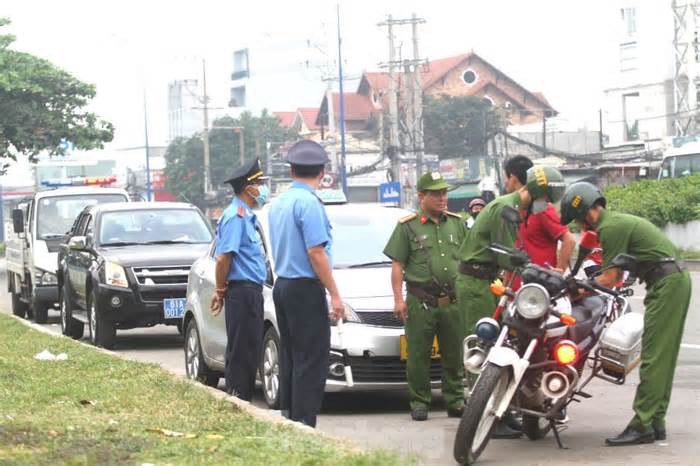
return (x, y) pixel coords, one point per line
(241, 271)
(301, 240)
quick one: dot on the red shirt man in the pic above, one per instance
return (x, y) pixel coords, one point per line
(539, 236)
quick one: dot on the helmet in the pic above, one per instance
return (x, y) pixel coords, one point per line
(477, 201)
(545, 182)
(578, 198)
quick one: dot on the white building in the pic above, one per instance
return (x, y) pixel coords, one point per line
(184, 114)
(639, 102)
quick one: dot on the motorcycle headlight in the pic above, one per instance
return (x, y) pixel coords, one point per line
(115, 275)
(532, 301)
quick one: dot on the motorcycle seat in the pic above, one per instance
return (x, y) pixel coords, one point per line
(586, 312)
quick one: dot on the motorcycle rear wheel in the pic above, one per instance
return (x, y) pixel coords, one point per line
(479, 418)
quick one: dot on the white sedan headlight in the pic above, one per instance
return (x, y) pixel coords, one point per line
(350, 314)
(532, 301)
(115, 275)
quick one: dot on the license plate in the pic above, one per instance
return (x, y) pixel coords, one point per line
(403, 346)
(174, 308)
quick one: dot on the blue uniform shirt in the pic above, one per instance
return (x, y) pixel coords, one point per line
(298, 222)
(236, 234)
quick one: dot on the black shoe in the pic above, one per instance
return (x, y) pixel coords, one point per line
(455, 412)
(502, 431)
(631, 436)
(660, 433)
(419, 414)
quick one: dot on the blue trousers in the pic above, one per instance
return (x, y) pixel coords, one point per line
(302, 318)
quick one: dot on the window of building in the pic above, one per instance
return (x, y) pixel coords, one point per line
(631, 111)
(240, 64)
(629, 18)
(237, 97)
(628, 56)
(469, 77)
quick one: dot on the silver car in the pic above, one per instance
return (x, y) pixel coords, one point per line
(369, 351)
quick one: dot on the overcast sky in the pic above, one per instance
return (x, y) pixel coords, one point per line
(564, 48)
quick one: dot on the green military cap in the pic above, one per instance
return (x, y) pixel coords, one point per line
(432, 181)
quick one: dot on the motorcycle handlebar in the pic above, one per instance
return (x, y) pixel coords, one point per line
(592, 285)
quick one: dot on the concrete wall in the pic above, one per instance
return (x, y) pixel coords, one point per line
(686, 236)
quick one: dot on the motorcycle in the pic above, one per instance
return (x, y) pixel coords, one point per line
(533, 362)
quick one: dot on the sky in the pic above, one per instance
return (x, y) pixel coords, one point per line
(131, 49)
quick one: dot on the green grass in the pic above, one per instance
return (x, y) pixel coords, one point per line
(97, 409)
(690, 254)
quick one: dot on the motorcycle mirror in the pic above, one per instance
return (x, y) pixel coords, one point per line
(625, 262)
(511, 215)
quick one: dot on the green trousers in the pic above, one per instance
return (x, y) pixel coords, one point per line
(475, 300)
(422, 325)
(666, 306)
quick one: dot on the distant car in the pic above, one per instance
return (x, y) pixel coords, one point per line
(126, 266)
(372, 335)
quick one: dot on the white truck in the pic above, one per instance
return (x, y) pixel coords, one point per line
(39, 225)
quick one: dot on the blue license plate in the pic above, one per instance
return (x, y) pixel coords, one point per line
(174, 308)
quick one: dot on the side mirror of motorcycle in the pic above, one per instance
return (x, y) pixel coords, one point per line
(625, 262)
(511, 215)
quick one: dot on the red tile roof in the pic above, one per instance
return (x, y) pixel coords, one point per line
(357, 107)
(309, 115)
(286, 118)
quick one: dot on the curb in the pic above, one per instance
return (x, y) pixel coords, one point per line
(245, 406)
(693, 265)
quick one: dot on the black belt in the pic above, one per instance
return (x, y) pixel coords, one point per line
(244, 283)
(479, 270)
(430, 295)
(662, 270)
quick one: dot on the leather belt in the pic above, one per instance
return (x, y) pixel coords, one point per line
(431, 297)
(479, 270)
(243, 283)
(661, 270)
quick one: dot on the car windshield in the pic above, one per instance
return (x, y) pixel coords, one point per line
(680, 165)
(56, 214)
(359, 236)
(157, 226)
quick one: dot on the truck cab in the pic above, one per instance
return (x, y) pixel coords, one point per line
(681, 161)
(39, 225)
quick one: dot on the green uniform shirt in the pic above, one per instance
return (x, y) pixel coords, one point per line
(627, 234)
(490, 228)
(441, 243)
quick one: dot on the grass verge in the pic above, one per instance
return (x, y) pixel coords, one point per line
(97, 409)
(690, 254)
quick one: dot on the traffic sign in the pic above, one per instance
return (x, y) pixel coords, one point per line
(390, 192)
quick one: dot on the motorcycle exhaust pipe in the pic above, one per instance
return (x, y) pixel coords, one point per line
(555, 384)
(474, 359)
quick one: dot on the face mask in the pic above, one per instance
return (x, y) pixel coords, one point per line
(263, 193)
(539, 205)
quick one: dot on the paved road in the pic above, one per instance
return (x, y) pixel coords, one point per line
(381, 419)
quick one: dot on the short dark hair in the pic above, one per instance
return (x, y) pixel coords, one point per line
(518, 166)
(307, 171)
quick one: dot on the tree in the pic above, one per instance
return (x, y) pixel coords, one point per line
(458, 126)
(184, 158)
(42, 106)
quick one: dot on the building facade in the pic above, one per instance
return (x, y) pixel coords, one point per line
(184, 117)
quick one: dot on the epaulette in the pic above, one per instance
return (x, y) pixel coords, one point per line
(452, 214)
(407, 218)
(241, 212)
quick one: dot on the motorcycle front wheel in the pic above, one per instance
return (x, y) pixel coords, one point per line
(479, 418)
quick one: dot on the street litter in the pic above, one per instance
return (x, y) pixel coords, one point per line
(47, 355)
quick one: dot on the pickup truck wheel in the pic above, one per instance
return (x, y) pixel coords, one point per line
(41, 311)
(19, 307)
(102, 332)
(70, 326)
(195, 365)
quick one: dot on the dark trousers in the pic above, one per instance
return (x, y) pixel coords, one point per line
(244, 329)
(302, 318)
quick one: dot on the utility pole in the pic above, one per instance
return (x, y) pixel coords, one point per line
(205, 138)
(148, 149)
(544, 133)
(412, 99)
(685, 22)
(341, 118)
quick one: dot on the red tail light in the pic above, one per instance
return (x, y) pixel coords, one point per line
(566, 352)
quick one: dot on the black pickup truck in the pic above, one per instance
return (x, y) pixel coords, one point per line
(125, 265)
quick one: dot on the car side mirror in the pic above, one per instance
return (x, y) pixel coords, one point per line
(77, 243)
(18, 220)
(625, 262)
(511, 215)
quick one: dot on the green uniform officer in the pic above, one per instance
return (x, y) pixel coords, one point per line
(479, 266)
(666, 303)
(423, 250)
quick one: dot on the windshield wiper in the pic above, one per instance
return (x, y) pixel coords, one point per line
(170, 241)
(369, 264)
(119, 243)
